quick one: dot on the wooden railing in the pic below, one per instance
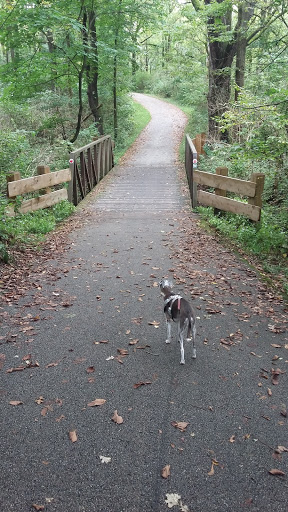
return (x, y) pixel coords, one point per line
(41, 184)
(88, 166)
(220, 181)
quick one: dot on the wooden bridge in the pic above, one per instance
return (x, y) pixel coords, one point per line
(89, 164)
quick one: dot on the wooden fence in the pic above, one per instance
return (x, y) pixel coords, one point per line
(220, 181)
(41, 183)
(88, 165)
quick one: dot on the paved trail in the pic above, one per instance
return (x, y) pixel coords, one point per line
(99, 300)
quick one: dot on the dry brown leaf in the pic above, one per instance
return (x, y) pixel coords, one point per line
(123, 351)
(211, 472)
(98, 401)
(73, 436)
(165, 471)
(181, 425)
(16, 402)
(281, 449)
(232, 439)
(275, 375)
(156, 324)
(38, 507)
(116, 418)
(133, 342)
(276, 472)
(142, 383)
(90, 369)
(269, 392)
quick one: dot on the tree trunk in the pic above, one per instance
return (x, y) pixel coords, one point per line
(221, 54)
(92, 72)
(245, 13)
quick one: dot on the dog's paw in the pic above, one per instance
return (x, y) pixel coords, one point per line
(167, 341)
(182, 362)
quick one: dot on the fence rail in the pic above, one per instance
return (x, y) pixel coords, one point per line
(220, 181)
(41, 183)
(88, 165)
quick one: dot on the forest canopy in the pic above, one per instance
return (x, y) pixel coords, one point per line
(67, 68)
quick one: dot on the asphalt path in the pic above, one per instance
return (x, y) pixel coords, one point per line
(97, 412)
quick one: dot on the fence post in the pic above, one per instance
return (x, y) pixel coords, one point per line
(13, 176)
(70, 191)
(190, 164)
(222, 171)
(258, 178)
(44, 169)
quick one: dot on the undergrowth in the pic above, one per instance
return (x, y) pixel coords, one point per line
(265, 242)
(29, 229)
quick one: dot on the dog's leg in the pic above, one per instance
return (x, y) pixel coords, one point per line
(168, 322)
(194, 339)
(181, 341)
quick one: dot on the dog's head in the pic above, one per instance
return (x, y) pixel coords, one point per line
(165, 286)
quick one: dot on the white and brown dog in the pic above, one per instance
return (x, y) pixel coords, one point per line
(179, 310)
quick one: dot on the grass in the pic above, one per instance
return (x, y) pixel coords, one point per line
(264, 244)
(141, 119)
(29, 229)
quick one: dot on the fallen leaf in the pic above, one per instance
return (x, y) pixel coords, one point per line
(62, 417)
(16, 402)
(123, 351)
(98, 401)
(133, 342)
(181, 425)
(211, 472)
(269, 392)
(38, 507)
(73, 436)
(156, 324)
(18, 369)
(281, 449)
(142, 383)
(116, 418)
(275, 345)
(275, 375)
(52, 364)
(104, 460)
(172, 500)
(232, 439)
(276, 472)
(90, 369)
(165, 471)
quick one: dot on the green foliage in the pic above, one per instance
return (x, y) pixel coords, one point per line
(15, 154)
(139, 118)
(30, 228)
(266, 239)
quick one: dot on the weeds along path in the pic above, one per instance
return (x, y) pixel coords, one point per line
(98, 414)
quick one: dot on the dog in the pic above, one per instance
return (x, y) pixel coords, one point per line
(180, 311)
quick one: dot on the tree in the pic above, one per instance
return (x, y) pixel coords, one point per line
(231, 27)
